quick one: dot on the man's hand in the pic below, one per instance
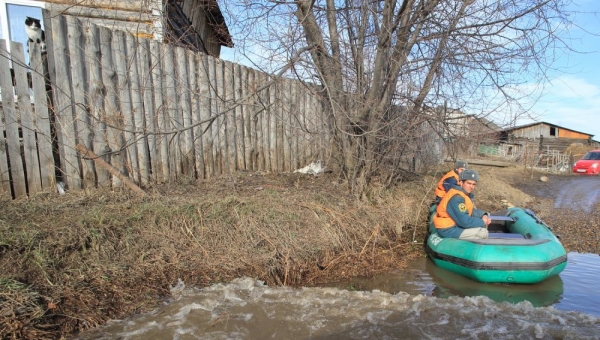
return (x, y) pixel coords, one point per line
(487, 220)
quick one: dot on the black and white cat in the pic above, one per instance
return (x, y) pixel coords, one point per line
(35, 33)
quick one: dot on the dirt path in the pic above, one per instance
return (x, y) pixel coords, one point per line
(579, 193)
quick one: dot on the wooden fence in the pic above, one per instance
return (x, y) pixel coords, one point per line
(153, 111)
(530, 156)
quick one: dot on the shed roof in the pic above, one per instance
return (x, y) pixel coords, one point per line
(539, 123)
(215, 16)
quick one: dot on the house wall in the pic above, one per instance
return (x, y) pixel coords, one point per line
(547, 131)
(532, 132)
(562, 133)
(142, 18)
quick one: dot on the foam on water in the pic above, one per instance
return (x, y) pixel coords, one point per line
(247, 309)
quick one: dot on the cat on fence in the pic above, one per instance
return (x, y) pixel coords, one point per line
(35, 33)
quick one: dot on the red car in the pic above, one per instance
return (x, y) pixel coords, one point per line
(588, 164)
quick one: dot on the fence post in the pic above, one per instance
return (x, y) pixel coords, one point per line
(26, 126)
(61, 81)
(43, 129)
(12, 152)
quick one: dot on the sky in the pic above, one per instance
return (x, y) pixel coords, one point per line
(571, 97)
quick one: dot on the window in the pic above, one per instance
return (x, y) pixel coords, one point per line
(12, 20)
(594, 156)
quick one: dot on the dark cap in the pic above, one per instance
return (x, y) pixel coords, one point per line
(461, 164)
(469, 175)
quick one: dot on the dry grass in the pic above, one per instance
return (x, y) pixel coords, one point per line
(578, 150)
(83, 258)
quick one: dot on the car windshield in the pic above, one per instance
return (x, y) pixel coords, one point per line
(594, 156)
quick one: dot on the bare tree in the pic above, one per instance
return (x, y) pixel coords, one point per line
(384, 65)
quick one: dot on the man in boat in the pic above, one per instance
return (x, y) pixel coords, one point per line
(456, 215)
(449, 180)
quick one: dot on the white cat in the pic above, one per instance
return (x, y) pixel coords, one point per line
(35, 33)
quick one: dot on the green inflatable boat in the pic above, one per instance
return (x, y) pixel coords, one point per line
(520, 249)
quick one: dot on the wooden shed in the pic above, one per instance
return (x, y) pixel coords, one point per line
(196, 24)
(546, 135)
(543, 129)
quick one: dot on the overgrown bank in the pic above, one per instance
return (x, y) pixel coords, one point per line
(69, 263)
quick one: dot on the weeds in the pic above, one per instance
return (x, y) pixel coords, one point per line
(93, 256)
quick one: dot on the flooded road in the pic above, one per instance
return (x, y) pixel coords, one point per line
(584, 193)
(575, 192)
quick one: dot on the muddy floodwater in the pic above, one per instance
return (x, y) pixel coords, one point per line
(420, 302)
(574, 289)
(246, 309)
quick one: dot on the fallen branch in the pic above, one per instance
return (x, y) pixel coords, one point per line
(99, 161)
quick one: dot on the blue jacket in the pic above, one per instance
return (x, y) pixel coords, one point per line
(450, 182)
(462, 219)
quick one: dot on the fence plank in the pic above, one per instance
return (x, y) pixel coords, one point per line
(147, 72)
(228, 108)
(95, 99)
(286, 133)
(25, 111)
(195, 116)
(144, 113)
(311, 128)
(253, 118)
(238, 117)
(14, 162)
(273, 126)
(39, 80)
(301, 132)
(20, 111)
(123, 67)
(5, 89)
(323, 120)
(112, 115)
(245, 95)
(263, 124)
(304, 132)
(205, 114)
(295, 125)
(295, 115)
(218, 125)
(283, 104)
(173, 121)
(138, 150)
(161, 156)
(63, 104)
(78, 84)
(185, 110)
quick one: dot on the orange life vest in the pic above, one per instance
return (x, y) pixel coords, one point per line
(442, 219)
(440, 191)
